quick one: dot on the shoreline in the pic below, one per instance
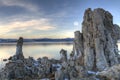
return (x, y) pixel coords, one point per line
(67, 42)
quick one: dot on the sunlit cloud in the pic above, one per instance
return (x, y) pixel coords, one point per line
(27, 26)
(45, 28)
(30, 19)
(67, 34)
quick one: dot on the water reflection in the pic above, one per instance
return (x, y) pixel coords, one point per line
(36, 50)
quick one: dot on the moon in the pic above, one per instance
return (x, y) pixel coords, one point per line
(76, 23)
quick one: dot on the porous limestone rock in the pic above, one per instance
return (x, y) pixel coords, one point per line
(78, 48)
(46, 65)
(71, 60)
(63, 59)
(117, 31)
(59, 75)
(112, 73)
(63, 54)
(97, 43)
(19, 46)
(20, 68)
(19, 53)
(13, 70)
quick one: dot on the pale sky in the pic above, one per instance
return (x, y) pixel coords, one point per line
(48, 18)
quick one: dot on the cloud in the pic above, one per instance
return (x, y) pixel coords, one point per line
(27, 26)
(20, 3)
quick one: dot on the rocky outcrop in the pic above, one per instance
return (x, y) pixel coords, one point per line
(117, 31)
(19, 53)
(112, 73)
(98, 40)
(78, 48)
(63, 54)
(20, 68)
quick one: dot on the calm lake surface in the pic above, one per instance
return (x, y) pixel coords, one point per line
(36, 50)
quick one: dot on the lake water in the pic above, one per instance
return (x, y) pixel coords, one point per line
(36, 50)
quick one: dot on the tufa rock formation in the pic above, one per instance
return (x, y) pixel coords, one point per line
(63, 54)
(78, 47)
(19, 53)
(112, 73)
(96, 46)
(20, 68)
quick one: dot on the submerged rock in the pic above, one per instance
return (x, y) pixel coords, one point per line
(4, 59)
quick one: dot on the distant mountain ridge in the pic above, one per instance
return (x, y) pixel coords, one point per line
(37, 40)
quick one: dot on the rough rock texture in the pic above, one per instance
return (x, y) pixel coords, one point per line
(70, 68)
(112, 73)
(78, 49)
(63, 54)
(98, 40)
(20, 68)
(19, 46)
(19, 53)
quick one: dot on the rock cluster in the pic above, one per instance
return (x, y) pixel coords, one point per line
(112, 73)
(20, 68)
(96, 46)
(94, 50)
(19, 53)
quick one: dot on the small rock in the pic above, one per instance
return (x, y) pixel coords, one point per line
(4, 59)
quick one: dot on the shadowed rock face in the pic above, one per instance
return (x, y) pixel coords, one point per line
(19, 46)
(98, 44)
(78, 48)
(19, 53)
(20, 68)
(63, 55)
(112, 73)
